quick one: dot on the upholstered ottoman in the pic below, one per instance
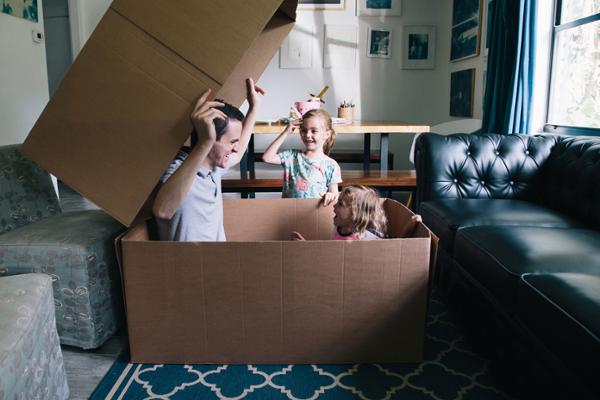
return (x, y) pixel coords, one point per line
(31, 363)
(77, 250)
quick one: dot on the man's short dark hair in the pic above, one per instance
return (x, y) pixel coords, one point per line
(231, 111)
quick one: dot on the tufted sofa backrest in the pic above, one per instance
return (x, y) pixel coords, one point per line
(479, 165)
(26, 191)
(570, 179)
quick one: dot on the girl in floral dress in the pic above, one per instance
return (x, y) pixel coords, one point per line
(308, 173)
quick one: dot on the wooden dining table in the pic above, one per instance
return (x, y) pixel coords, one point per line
(365, 128)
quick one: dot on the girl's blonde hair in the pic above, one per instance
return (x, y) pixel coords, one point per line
(327, 146)
(367, 209)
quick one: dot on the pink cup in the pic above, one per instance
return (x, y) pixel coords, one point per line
(304, 106)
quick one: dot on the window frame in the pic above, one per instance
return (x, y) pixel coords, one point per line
(556, 28)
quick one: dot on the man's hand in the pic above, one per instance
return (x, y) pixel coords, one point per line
(254, 94)
(296, 236)
(203, 115)
(329, 198)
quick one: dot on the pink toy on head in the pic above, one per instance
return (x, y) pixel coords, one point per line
(304, 106)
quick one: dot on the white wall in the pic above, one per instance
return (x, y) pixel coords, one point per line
(381, 88)
(23, 76)
(84, 16)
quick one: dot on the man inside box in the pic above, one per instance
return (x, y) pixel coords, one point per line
(189, 203)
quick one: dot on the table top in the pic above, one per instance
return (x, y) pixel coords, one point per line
(356, 127)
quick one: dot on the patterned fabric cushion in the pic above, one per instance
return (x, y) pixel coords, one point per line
(26, 191)
(77, 251)
(31, 363)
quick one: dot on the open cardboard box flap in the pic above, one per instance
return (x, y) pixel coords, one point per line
(122, 112)
(261, 298)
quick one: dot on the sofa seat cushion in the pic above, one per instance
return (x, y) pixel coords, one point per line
(77, 250)
(445, 216)
(496, 256)
(31, 363)
(563, 311)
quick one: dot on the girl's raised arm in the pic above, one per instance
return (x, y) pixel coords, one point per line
(270, 155)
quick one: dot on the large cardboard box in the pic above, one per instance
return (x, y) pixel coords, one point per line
(115, 123)
(122, 111)
(261, 298)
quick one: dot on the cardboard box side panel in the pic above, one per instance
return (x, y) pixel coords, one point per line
(371, 298)
(198, 30)
(262, 280)
(275, 219)
(223, 300)
(314, 221)
(166, 316)
(256, 58)
(312, 300)
(97, 136)
(398, 215)
(414, 288)
(160, 63)
(258, 219)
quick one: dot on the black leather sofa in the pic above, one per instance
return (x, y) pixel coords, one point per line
(518, 219)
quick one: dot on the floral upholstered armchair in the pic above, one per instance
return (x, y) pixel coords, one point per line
(76, 249)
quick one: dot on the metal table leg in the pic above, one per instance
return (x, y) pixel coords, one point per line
(384, 144)
(367, 152)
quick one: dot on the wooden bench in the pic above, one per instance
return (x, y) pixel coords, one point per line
(349, 156)
(247, 167)
(387, 181)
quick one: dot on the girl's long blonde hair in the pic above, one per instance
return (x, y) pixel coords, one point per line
(324, 115)
(367, 209)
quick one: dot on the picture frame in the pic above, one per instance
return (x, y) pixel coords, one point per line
(379, 43)
(315, 5)
(461, 93)
(297, 48)
(466, 29)
(418, 44)
(371, 8)
(26, 9)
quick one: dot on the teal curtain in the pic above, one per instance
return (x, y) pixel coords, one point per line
(511, 57)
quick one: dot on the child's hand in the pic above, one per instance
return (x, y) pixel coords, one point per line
(329, 198)
(291, 126)
(296, 236)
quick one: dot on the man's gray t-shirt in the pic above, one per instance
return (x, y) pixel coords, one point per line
(200, 215)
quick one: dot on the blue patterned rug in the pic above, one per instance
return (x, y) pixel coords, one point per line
(452, 369)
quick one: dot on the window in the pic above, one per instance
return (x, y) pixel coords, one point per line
(574, 101)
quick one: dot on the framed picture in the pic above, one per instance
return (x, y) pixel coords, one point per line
(387, 8)
(297, 48)
(418, 47)
(379, 43)
(461, 93)
(27, 9)
(466, 29)
(321, 4)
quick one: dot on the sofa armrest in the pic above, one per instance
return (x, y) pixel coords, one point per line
(478, 165)
(26, 190)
